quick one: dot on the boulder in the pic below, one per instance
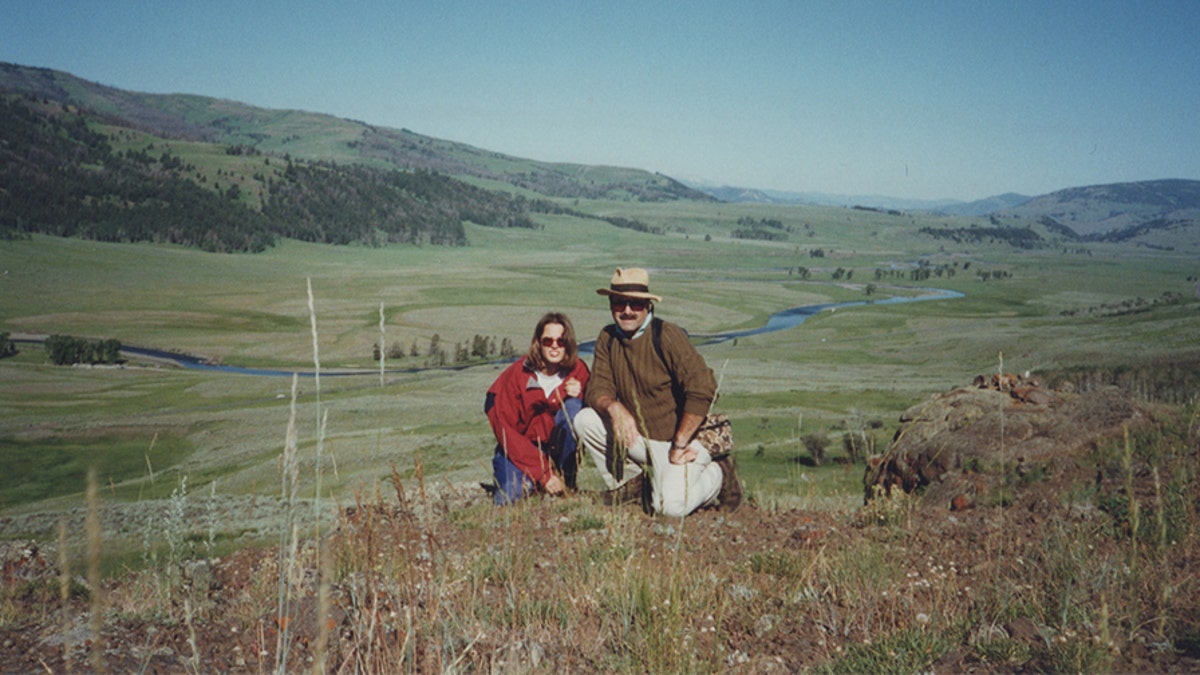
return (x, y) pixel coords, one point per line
(957, 445)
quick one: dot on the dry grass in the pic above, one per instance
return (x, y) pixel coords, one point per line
(425, 580)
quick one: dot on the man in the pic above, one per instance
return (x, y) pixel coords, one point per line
(647, 397)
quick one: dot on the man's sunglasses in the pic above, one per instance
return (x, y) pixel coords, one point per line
(636, 305)
(554, 342)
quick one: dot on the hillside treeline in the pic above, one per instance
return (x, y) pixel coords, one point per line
(60, 177)
(326, 203)
(767, 229)
(1017, 237)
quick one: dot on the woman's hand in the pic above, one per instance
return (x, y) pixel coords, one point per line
(554, 485)
(572, 388)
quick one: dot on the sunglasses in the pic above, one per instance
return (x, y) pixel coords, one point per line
(553, 342)
(634, 304)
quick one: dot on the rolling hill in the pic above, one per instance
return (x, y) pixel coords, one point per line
(1154, 213)
(1120, 210)
(65, 173)
(320, 137)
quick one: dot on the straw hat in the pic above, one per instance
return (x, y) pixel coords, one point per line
(632, 282)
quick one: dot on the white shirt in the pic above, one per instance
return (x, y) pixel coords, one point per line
(548, 383)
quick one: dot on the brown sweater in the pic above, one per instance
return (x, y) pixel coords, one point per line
(632, 372)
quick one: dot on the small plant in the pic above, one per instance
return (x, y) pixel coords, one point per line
(888, 508)
(816, 443)
(909, 650)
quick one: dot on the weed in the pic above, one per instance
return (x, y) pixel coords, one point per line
(908, 650)
(887, 508)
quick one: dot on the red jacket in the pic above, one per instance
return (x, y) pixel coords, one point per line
(522, 416)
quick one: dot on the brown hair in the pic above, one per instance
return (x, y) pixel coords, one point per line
(534, 357)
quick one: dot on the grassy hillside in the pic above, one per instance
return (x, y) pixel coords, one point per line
(319, 137)
(64, 173)
(1117, 210)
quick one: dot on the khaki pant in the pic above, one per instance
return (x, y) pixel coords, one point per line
(675, 489)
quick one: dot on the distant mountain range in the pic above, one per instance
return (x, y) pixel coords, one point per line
(1102, 211)
(1114, 212)
(1118, 210)
(947, 206)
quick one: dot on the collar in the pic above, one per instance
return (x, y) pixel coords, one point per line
(641, 329)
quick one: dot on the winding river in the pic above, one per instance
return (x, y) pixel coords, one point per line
(783, 320)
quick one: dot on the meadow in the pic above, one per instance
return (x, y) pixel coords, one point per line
(150, 428)
(864, 363)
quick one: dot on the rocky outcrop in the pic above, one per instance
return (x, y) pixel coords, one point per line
(957, 445)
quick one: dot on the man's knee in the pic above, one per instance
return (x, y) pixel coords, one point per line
(590, 427)
(672, 508)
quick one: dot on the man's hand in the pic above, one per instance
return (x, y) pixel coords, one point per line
(624, 425)
(682, 451)
(682, 455)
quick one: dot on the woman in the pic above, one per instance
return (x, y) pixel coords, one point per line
(531, 406)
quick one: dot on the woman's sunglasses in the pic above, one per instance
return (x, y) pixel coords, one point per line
(553, 342)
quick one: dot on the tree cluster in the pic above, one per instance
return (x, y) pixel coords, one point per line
(890, 212)
(66, 350)
(923, 271)
(763, 229)
(482, 348)
(1136, 305)
(59, 177)
(1017, 237)
(7, 346)
(547, 206)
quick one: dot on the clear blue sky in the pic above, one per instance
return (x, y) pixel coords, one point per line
(956, 99)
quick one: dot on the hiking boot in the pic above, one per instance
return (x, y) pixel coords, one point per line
(730, 496)
(628, 492)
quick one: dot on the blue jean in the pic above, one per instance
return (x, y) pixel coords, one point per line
(512, 483)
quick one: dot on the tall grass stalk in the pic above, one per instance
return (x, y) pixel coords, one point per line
(321, 648)
(419, 470)
(149, 467)
(289, 487)
(96, 592)
(998, 535)
(1134, 509)
(382, 346)
(1160, 513)
(210, 517)
(321, 416)
(64, 587)
(194, 660)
